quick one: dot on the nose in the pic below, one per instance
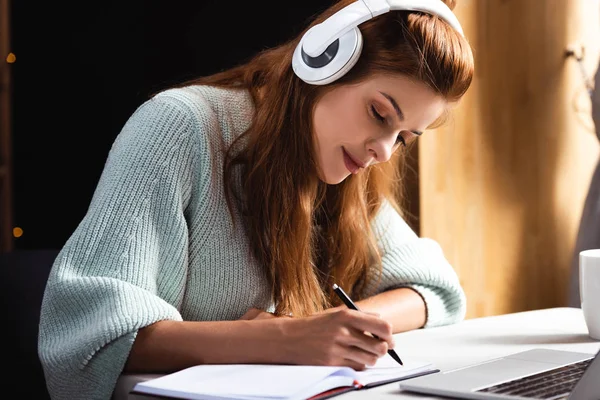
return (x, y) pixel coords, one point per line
(382, 148)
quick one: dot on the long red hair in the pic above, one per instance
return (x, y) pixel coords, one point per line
(305, 233)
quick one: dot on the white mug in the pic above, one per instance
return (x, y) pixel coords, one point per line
(589, 289)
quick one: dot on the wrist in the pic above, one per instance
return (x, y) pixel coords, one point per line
(281, 343)
(267, 340)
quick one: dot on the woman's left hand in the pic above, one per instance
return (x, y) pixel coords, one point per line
(330, 310)
(255, 313)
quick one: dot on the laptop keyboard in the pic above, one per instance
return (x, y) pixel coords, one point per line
(555, 384)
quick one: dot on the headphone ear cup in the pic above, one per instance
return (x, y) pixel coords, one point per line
(349, 48)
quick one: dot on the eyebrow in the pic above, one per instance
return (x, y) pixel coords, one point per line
(399, 112)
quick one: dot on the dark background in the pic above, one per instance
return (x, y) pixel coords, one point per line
(83, 67)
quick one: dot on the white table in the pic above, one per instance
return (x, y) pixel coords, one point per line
(471, 341)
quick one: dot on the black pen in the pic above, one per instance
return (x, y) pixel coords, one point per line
(350, 304)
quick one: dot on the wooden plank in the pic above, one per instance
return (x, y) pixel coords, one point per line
(502, 185)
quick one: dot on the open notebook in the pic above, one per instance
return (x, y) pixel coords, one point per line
(277, 382)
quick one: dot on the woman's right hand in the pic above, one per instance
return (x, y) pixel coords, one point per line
(338, 338)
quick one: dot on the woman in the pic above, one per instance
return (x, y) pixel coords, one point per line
(230, 205)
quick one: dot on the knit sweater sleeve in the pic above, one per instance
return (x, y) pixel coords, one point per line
(124, 267)
(419, 264)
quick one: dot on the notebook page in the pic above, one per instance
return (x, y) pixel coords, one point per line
(245, 381)
(387, 368)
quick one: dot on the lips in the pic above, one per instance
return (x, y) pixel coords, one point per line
(352, 164)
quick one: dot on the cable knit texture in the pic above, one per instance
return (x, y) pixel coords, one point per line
(158, 242)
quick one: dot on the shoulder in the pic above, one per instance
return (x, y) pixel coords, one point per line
(190, 115)
(228, 110)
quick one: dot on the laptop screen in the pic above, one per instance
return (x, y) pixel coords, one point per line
(588, 387)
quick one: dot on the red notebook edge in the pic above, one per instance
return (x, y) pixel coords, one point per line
(357, 386)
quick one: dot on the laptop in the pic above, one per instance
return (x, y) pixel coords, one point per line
(534, 374)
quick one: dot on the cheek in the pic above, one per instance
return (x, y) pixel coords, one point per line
(325, 128)
(341, 126)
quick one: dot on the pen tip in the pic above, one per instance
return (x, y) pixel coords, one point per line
(335, 286)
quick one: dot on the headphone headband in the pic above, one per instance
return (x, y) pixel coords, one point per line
(321, 44)
(320, 36)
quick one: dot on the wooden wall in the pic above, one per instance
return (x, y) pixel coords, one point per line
(502, 185)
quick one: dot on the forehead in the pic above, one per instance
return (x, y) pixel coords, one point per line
(398, 85)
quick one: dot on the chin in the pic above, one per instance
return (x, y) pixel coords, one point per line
(332, 175)
(329, 180)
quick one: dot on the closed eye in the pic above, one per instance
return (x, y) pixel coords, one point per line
(400, 140)
(377, 116)
(405, 137)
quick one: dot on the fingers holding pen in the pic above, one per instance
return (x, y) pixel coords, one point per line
(361, 348)
(338, 338)
(368, 323)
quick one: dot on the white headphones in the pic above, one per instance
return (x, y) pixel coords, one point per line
(328, 50)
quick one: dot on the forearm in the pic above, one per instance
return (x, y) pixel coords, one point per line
(403, 308)
(172, 345)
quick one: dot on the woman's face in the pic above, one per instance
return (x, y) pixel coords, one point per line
(361, 125)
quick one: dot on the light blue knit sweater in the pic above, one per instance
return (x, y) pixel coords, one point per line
(158, 243)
